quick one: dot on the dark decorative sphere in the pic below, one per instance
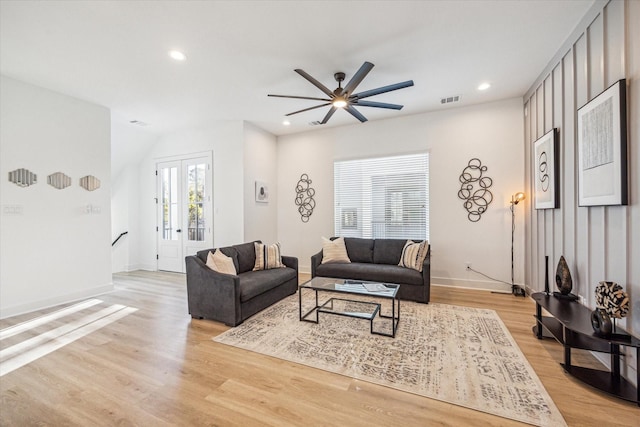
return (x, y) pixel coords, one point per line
(601, 322)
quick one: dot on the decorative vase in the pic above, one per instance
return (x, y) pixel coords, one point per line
(546, 274)
(601, 322)
(563, 277)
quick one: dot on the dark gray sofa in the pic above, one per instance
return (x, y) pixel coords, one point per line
(377, 260)
(233, 299)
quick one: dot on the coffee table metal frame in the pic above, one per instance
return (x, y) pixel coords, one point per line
(325, 284)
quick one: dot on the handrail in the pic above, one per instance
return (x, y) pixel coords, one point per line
(118, 238)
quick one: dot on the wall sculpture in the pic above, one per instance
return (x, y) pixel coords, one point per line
(304, 197)
(474, 189)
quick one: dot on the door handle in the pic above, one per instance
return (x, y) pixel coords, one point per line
(179, 230)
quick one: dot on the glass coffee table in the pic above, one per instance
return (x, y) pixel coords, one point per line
(351, 307)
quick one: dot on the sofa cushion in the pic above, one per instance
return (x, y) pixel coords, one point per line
(254, 283)
(388, 251)
(267, 256)
(413, 254)
(359, 250)
(334, 251)
(221, 263)
(372, 272)
(246, 256)
(228, 251)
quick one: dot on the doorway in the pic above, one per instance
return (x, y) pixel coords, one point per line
(184, 209)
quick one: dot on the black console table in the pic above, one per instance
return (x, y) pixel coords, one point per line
(570, 325)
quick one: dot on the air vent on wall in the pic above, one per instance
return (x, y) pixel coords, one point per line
(450, 99)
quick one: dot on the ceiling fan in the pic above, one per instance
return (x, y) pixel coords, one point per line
(343, 97)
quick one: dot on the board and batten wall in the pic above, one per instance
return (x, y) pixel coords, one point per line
(599, 242)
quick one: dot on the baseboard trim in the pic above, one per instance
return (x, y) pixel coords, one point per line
(52, 302)
(479, 285)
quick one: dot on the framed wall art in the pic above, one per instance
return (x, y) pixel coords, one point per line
(546, 171)
(602, 148)
(262, 192)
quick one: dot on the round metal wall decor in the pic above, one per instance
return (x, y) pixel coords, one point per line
(474, 189)
(304, 197)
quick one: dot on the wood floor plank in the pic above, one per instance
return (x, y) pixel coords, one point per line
(159, 367)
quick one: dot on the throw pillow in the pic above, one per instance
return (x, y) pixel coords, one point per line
(217, 261)
(267, 257)
(334, 251)
(413, 254)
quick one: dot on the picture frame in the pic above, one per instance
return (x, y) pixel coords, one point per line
(546, 171)
(262, 192)
(602, 148)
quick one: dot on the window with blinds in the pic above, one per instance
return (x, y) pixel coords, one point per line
(383, 197)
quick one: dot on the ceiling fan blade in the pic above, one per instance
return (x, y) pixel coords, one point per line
(355, 113)
(377, 104)
(300, 97)
(378, 91)
(315, 82)
(307, 109)
(357, 78)
(329, 114)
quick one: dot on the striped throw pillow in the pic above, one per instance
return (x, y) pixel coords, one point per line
(267, 257)
(334, 251)
(413, 254)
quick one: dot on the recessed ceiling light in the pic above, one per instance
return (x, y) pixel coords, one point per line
(177, 55)
(484, 86)
(286, 122)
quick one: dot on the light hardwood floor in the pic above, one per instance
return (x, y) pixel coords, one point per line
(159, 367)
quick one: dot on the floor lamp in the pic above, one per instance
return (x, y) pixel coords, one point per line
(515, 199)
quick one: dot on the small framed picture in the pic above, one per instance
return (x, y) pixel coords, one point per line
(546, 171)
(262, 192)
(602, 148)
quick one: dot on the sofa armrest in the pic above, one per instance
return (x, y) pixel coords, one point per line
(290, 261)
(426, 275)
(212, 295)
(316, 260)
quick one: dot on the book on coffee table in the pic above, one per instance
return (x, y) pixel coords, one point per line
(375, 287)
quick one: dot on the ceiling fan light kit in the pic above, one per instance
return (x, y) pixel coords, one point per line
(344, 97)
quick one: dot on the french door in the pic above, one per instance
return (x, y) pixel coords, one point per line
(185, 216)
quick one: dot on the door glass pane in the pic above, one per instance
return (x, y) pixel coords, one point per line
(196, 174)
(169, 193)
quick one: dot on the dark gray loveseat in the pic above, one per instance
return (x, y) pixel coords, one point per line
(377, 260)
(233, 299)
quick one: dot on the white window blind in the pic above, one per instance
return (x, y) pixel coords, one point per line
(383, 197)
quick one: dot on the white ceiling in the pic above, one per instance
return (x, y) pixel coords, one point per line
(114, 53)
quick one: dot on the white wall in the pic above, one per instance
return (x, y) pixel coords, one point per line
(260, 164)
(125, 198)
(130, 143)
(599, 243)
(54, 251)
(491, 132)
(242, 154)
(225, 139)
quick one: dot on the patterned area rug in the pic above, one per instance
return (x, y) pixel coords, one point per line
(464, 356)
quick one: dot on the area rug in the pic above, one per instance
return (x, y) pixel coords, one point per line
(460, 355)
